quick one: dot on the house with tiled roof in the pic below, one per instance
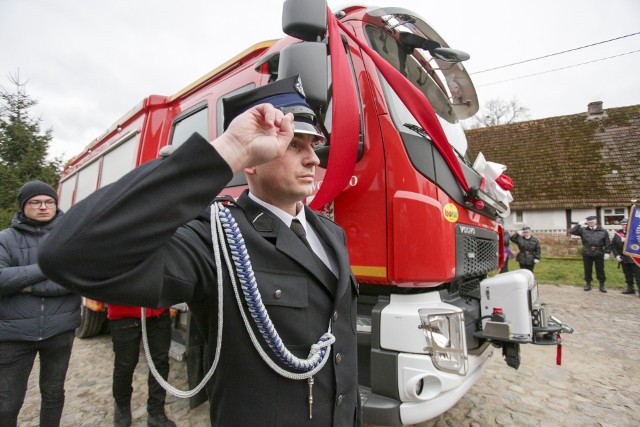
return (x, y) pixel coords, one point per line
(566, 168)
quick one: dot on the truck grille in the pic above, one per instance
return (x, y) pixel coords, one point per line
(469, 288)
(476, 253)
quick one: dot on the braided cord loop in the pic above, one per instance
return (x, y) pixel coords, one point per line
(319, 352)
(223, 224)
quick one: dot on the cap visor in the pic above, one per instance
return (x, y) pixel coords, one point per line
(309, 129)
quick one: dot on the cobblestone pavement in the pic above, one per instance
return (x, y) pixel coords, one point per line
(598, 383)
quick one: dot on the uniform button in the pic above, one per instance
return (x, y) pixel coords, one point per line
(277, 294)
(335, 316)
(339, 400)
(338, 358)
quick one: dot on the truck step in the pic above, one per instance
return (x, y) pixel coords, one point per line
(177, 351)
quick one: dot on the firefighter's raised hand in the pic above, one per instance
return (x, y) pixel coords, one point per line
(257, 136)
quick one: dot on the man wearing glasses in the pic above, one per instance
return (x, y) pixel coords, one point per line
(36, 314)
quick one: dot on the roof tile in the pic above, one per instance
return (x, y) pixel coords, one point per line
(567, 161)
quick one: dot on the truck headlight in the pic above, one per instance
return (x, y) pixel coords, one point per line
(446, 341)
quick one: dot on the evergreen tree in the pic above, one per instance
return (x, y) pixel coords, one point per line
(23, 148)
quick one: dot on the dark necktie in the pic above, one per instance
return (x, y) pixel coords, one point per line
(298, 230)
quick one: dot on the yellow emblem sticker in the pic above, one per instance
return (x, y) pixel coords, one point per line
(450, 212)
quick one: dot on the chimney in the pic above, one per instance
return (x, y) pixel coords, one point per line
(594, 108)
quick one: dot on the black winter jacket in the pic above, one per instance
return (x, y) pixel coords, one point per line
(32, 307)
(594, 242)
(529, 249)
(618, 245)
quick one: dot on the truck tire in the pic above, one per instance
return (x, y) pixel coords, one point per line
(90, 323)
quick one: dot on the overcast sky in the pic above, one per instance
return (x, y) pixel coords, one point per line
(88, 62)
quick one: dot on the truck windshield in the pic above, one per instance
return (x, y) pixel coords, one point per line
(417, 71)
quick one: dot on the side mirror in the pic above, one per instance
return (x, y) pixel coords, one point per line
(446, 54)
(305, 19)
(309, 60)
(450, 55)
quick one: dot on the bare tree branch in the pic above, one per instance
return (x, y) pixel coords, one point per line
(497, 112)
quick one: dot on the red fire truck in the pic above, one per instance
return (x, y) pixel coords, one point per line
(421, 221)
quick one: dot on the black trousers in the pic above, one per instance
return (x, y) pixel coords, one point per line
(126, 336)
(16, 362)
(588, 262)
(527, 266)
(631, 271)
(505, 267)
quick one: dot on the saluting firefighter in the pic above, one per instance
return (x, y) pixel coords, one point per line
(529, 248)
(596, 247)
(629, 267)
(159, 218)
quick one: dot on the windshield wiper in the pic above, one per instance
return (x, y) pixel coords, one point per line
(418, 129)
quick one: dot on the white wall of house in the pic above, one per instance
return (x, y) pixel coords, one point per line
(547, 219)
(555, 219)
(578, 215)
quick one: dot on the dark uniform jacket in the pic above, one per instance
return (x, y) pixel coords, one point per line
(594, 242)
(617, 245)
(136, 242)
(529, 249)
(32, 307)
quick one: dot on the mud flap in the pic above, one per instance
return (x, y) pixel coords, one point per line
(511, 354)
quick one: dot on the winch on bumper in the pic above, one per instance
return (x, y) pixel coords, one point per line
(420, 363)
(512, 315)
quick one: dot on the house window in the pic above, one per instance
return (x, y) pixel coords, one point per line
(519, 216)
(613, 216)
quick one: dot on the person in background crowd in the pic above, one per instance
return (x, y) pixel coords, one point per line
(596, 247)
(529, 248)
(37, 316)
(159, 219)
(126, 335)
(630, 269)
(507, 250)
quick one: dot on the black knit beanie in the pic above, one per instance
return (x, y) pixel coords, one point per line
(35, 188)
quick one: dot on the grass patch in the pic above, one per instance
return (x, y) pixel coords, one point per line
(569, 271)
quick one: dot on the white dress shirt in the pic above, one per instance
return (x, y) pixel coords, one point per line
(324, 253)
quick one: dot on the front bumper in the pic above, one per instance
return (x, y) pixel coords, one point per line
(426, 391)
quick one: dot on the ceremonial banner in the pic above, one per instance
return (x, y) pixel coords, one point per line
(632, 242)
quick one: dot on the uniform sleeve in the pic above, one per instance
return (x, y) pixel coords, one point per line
(128, 243)
(616, 245)
(576, 230)
(607, 242)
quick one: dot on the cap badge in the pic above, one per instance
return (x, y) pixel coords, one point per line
(298, 87)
